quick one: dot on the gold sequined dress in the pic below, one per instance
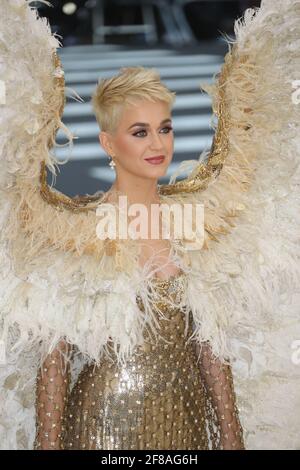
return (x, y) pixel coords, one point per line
(163, 398)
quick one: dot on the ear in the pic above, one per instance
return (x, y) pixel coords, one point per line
(105, 142)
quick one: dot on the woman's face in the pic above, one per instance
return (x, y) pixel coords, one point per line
(133, 143)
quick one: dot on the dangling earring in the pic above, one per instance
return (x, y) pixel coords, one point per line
(112, 163)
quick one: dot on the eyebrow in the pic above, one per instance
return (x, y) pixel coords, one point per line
(145, 124)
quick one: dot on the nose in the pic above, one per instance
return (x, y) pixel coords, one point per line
(156, 143)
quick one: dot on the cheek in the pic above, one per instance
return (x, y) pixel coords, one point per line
(131, 150)
(123, 145)
(170, 146)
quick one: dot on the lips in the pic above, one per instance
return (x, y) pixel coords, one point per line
(155, 160)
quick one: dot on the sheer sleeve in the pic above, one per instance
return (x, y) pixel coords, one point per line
(52, 387)
(218, 382)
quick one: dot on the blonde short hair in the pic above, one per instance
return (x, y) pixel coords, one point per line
(130, 85)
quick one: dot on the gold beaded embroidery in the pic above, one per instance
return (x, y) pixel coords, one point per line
(161, 399)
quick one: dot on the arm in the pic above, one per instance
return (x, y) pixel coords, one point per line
(51, 394)
(218, 381)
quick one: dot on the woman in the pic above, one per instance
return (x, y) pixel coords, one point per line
(161, 398)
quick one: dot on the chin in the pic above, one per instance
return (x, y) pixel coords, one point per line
(156, 174)
(157, 171)
(153, 172)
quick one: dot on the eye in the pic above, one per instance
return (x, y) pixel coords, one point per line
(169, 129)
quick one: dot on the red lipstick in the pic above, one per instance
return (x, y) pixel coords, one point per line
(155, 160)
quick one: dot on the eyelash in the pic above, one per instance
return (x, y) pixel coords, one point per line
(143, 130)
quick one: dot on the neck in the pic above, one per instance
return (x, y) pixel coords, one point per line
(137, 191)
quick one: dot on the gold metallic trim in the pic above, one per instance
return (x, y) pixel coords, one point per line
(201, 177)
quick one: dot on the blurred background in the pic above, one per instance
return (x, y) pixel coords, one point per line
(184, 40)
